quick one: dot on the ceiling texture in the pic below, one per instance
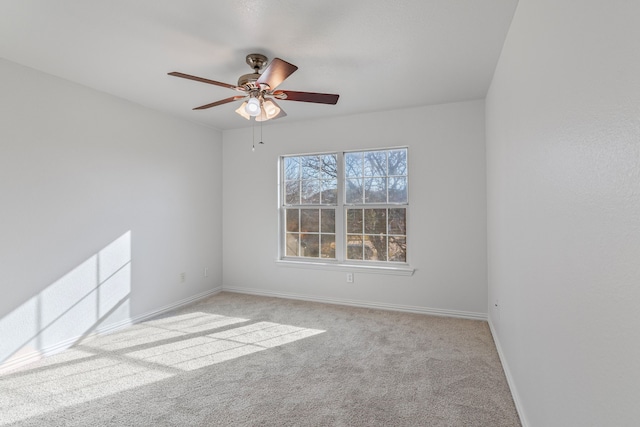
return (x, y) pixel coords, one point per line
(376, 54)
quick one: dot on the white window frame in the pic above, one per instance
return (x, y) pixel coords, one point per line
(340, 263)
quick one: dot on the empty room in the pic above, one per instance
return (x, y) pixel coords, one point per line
(320, 213)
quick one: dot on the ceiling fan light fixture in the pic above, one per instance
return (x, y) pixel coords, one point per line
(253, 107)
(270, 110)
(242, 111)
(262, 117)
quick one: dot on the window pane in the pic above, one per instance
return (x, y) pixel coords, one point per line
(397, 249)
(329, 192)
(375, 163)
(329, 166)
(310, 167)
(375, 190)
(398, 162)
(354, 190)
(398, 189)
(375, 248)
(293, 222)
(292, 244)
(354, 247)
(292, 189)
(328, 246)
(309, 220)
(353, 164)
(398, 221)
(291, 168)
(375, 221)
(354, 221)
(310, 192)
(309, 245)
(328, 220)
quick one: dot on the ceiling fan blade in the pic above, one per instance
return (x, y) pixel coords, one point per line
(222, 101)
(275, 73)
(318, 98)
(203, 80)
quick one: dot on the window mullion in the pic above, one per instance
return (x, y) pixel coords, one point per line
(340, 211)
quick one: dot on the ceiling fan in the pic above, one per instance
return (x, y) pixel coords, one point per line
(259, 89)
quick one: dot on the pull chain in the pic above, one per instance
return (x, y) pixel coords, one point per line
(253, 136)
(261, 132)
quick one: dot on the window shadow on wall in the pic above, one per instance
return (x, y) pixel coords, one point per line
(92, 295)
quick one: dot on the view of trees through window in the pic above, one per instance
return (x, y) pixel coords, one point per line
(373, 209)
(311, 233)
(311, 182)
(376, 177)
(377, 234)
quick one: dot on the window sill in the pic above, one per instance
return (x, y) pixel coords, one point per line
(401, 270)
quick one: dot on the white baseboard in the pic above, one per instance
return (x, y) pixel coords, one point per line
(175, 305)
(507, 372)
(32, 356)
(360, 303)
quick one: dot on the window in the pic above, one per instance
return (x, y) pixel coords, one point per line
(310, 200)
(345, 207)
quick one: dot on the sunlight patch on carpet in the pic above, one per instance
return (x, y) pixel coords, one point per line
(140, 355)
(198, 352)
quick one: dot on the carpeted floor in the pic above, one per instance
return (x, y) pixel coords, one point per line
(240, 360)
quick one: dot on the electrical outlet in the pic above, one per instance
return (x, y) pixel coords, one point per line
(183, 277)
(349, 277)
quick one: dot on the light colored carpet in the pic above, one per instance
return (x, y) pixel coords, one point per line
(240, 360)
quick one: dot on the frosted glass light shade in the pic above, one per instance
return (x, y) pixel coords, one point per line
(253, 107)
(242, 111)
(269, 111)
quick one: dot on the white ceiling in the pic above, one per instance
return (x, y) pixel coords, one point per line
(377, 54)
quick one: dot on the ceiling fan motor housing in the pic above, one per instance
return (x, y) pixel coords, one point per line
(256, 61)
(248, 80)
